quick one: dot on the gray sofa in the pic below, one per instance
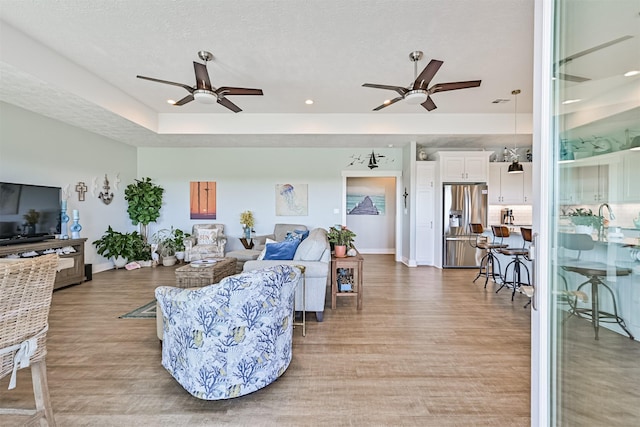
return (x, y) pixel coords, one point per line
(314, 253)
(279, 233)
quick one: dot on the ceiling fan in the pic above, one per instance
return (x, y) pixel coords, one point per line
(203, 91)
(570, 58)
(418, 92)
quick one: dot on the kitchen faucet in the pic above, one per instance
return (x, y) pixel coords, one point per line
(611, 217)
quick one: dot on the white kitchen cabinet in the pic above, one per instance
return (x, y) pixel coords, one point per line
(631, 176)
(425, 213)
(569, 182)
(597, 179)
(509, 188)
(463, 166)
(595, 183)
(527, 178)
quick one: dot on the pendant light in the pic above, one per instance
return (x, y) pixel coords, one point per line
(515, 166)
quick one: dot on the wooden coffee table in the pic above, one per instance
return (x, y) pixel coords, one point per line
(190, 276)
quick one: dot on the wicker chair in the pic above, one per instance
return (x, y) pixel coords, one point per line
(26, 287)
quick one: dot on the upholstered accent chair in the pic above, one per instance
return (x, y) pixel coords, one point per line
(232, 338)
(26, 287)
(206, 241)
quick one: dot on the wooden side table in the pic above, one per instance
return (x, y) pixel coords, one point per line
(351, 262)
(247, 243)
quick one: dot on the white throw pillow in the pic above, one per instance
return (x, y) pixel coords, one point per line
(207, 236)
(264, 251)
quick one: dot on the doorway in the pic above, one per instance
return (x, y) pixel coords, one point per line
(371, 209)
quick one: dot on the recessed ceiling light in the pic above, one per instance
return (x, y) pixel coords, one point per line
(499, 101)
(631, 73)
(171, 101)
(309, 101)
(571, 101)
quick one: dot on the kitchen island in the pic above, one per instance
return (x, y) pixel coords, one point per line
(622, 252)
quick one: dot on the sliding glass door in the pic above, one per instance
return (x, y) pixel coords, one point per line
(586, 316)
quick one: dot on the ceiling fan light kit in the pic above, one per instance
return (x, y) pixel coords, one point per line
(205, 96)
(415, 97)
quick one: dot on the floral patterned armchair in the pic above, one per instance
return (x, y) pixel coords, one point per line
(229, 339)
(206, 241)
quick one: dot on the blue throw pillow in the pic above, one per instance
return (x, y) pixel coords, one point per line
(284, 250)
(299, 235)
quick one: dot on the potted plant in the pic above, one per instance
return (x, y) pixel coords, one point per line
(170, 242)
(31, 218)
(342, 239)
(141, 250)
(585, 221)
(145, 201)
(122, 247)
(179, 236)
(247, 221)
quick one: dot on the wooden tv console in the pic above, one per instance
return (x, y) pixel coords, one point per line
(66, 277)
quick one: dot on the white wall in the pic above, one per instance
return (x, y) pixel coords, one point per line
(246, 179)
(38, 150)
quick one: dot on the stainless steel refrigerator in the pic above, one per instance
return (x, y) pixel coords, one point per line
(463, 204)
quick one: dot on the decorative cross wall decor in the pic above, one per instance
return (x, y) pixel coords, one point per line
(81, 189)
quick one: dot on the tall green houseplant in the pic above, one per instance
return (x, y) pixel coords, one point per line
(145, 201)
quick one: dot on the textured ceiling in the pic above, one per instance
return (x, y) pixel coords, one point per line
(318, 49)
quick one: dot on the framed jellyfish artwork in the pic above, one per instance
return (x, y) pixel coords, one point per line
(291, 200)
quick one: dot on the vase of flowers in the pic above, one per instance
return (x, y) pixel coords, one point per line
(341, 238)
(247, 221)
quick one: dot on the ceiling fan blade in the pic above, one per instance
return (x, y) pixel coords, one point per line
(425, 77)
(593, 49)
(184, 100)
(386, 104)
(202, 76)
(442, 87)
(224, 91)
(401, 90)
(571, 78)
(429, 104)
(230, 105)
(189, 88)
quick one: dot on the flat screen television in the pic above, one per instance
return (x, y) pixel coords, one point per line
(20, 201)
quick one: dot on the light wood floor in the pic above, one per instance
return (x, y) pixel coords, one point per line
(429, 348)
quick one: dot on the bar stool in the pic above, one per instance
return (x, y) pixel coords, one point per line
(489, 260)
(516, 265)
(527, 237)
(594, 272)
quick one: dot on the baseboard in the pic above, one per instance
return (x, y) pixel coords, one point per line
(97, 268)
(409, 262)
(374, 251)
